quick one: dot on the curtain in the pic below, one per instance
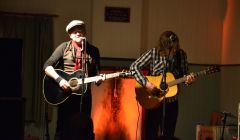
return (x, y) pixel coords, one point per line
(36, 33)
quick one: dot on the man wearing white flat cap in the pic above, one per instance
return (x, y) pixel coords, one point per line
(74, 56)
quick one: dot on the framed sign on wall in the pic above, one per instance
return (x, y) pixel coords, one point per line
(117, 14)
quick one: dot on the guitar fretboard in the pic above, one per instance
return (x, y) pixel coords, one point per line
(183, 79)
(96, 78)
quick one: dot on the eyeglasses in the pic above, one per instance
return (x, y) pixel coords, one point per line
(77, 31)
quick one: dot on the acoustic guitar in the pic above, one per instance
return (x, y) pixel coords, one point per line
(53, 93)
(149, 100)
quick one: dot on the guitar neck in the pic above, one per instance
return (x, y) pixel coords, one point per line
(183, 79)
(112, 75)
(96, 78)
(177, 81)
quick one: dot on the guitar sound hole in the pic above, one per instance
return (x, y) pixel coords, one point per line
(73, 82)
(156, 92)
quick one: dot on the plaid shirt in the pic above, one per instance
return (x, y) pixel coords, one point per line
(177, 64)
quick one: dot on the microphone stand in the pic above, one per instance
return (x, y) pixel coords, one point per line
(224, 124)
(164, 87)
(83, 57)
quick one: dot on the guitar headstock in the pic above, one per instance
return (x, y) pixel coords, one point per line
(212, 69)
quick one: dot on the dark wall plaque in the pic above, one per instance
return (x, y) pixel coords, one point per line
(117, 14)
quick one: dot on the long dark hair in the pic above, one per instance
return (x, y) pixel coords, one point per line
(167, 40)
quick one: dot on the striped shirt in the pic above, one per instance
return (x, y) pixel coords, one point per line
(156, 64)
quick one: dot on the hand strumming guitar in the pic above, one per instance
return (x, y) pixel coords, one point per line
(64, 85)
(153, 89)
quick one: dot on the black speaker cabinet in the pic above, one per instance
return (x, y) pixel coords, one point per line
(205, 132)
(12, 118)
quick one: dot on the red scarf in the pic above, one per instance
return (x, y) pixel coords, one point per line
(78, 59)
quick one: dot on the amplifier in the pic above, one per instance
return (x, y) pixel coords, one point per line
(206, 132)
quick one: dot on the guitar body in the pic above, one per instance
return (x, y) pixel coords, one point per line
(78, 82)
(54, 95)
(145, 98)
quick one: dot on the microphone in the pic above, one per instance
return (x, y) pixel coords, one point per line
(173, 37)
(82, 37)
(83, 42)
(229, 114)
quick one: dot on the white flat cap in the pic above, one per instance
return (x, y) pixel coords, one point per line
(74, 23)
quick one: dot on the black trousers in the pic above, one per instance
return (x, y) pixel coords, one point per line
(72, 106)
(154, 119)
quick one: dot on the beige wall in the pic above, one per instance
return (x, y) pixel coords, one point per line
(204, 27)
(117, 39)
(197, 23)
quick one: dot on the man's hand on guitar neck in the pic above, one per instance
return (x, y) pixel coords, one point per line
(190, 79)
(99, 82)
